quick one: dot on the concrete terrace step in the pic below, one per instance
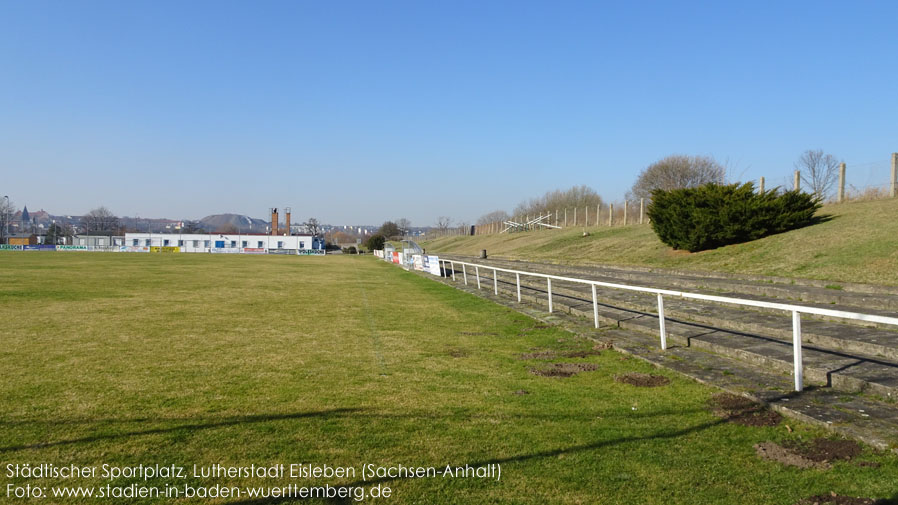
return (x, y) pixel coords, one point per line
(841, 369)
(852, 338)
(849, 414)
(877, 343)
(873, 298)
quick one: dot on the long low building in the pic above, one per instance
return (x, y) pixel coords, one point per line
(226, 242)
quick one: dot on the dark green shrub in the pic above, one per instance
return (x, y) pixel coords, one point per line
(713, 215)
(375, 242)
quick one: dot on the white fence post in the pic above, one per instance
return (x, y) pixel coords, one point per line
(796, 350)
(661, 322)
(518, 281)
(550, 295)
(477, 273)
(453, 269)
(464, 271)
(595, 305)
(495, 283)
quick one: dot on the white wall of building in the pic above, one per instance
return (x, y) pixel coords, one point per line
(206, 242)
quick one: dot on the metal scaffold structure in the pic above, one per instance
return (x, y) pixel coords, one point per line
(533, 224)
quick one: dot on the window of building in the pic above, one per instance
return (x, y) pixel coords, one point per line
(233, 244)
(180, 243)
(280, 245)
(260, 244)
(207, 243)
(166, 242)
(196, 243)
(244, 244)
(147, 242)
(302, 245)
(135, 242)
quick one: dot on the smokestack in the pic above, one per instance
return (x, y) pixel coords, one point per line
(274, 221)
(287, 210)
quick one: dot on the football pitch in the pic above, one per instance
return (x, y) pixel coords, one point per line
(190, 378)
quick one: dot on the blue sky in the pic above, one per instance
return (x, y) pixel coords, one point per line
(359, 112)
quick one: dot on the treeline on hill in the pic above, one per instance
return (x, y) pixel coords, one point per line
(556, 200)
(714, 215)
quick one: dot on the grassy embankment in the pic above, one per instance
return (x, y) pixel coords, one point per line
(131, 359)
(859, 244)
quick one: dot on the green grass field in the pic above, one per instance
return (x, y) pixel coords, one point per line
(859, 244)
(128, 359)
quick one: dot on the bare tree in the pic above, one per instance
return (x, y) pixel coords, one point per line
(494, 216)
(818, 171)
(443, 223)
(675, 172)
(101, 221)
(313, 227)
(404, 225)
(576, 196)
(7, 209)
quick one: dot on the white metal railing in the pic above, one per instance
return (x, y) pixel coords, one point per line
(796, 310)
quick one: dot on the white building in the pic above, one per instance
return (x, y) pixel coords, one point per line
(226, 242)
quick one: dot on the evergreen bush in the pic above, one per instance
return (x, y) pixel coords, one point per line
(714, 215)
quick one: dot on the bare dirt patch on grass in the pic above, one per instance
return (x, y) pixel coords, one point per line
(826, 450)
(564, 369)
(642, 380)
(741, 410)
(820, 453)
(775, 452)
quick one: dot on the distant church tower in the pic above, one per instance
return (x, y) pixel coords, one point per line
(25, 220)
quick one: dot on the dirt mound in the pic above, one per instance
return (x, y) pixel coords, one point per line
(522, 392)
(822, 449)
(741, 410)
(642, 380)
(775, 452)
(818, 454)
(564, 369)
(834, 499)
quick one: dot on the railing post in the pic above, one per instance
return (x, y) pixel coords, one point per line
(550, 294)
(495, 283)
(595, 305)
(661, 322)
(464, 272)
(796, 350)
(453, 269)
(518, 282)
(477, 273)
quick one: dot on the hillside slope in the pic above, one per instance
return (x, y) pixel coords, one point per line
(858, 244)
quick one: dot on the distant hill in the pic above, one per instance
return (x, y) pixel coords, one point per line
(244, 224)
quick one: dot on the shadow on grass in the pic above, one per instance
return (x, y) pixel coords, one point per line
(510, 459)
(232, 421)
